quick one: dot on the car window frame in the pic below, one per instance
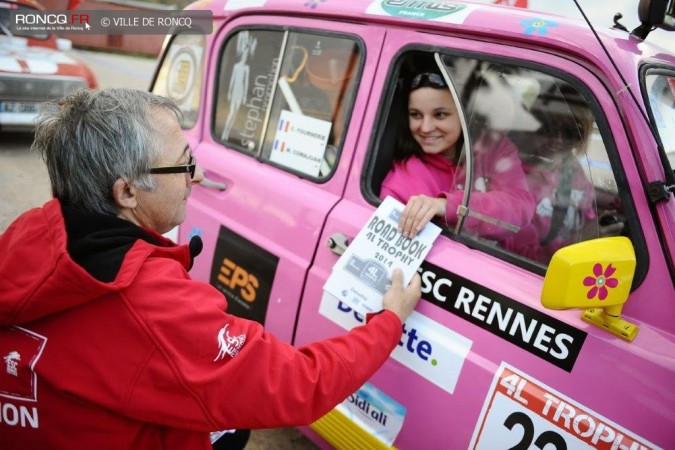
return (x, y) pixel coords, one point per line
(379, 129)
(657, 69)
(258, 154)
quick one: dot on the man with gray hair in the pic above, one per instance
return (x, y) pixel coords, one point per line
(127, 350)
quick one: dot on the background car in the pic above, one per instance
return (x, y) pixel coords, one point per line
(34, 69)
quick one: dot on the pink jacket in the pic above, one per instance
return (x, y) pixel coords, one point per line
(543, 183)
(500, 190)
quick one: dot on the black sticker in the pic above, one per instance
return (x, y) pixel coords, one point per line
(540, 334)
(243, 272)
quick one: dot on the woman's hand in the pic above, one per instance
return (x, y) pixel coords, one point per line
(418, 212)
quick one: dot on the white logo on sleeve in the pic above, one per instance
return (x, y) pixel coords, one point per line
(227, 344)
(11, 360)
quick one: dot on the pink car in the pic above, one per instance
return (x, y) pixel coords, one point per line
(549, 336)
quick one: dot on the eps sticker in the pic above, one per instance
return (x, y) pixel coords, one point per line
(243, 272)
(538, 333)
(520, 411)
(442, 11)
(429, 349)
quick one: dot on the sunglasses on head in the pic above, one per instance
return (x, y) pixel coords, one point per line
(427, 79)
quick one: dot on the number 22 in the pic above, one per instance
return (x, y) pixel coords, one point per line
(545, 438)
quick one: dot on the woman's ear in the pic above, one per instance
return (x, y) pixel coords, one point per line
(125, 194)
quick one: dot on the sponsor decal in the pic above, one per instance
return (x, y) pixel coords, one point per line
(375, 411)
(521, 412)
(243, 272)
(20, 350)
(228, 344)
(429, 349)
(183, 77)
(540, 334)
(182, 73)
(250, 63)
(443, 11)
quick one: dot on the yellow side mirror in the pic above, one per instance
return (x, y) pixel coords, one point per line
(595, 276)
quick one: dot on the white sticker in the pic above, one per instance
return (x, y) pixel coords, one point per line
(239, 4)
(300, 142)
(520, 411)
(426, 347)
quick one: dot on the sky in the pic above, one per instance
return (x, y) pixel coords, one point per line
(601, 14)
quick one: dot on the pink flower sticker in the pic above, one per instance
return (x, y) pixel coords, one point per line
(600, 282)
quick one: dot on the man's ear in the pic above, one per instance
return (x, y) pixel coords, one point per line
(125, 194)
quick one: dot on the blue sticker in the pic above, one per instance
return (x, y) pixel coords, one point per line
(194, 232)
(537, 25)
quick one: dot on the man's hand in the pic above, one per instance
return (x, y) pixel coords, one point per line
(399, 300)
(419, 210)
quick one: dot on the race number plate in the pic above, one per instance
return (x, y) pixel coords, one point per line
(522, 413)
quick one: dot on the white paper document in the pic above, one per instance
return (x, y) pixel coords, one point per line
(363, 273)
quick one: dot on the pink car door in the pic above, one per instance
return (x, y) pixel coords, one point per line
(282, 118)
(481, 363)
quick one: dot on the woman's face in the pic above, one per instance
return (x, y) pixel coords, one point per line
(434, 121)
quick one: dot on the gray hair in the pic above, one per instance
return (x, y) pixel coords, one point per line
(91, 138)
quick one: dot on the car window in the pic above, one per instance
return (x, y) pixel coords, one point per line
(284, 96)
(529, 171)
(660, 88)
(180, 76)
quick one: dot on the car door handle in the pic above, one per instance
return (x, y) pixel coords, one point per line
(213, 184)
(338, 243)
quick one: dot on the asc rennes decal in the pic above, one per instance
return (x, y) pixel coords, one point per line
(243, 272)
(521, 412)
(529, 329)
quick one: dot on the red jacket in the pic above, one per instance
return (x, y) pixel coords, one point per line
(106, 343)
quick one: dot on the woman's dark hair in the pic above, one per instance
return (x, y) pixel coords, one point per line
(406, 145)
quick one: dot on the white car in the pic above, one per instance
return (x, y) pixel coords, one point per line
(34, 69)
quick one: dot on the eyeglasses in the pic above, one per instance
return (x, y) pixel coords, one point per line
(189, 168)
(427, 79)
